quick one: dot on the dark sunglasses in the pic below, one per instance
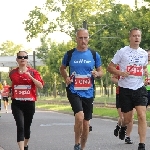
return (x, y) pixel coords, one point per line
(22, 57)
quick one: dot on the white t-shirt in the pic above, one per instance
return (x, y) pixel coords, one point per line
(131, 60)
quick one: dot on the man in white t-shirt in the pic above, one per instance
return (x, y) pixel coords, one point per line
(132, 61)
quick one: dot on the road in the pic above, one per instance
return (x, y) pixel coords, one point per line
(54, 131)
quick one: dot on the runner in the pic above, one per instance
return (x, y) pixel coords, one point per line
(5, 92)
(147, 80)
(115, 79)
(1, 88)
(25, 80)
(132, 61)
(80, 84)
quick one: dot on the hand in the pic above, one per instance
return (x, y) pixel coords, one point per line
(146, 73)
(28, 73)
(68, 81)
(124, 74)
(95, 74)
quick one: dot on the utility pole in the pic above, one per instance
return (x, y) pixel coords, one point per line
(135, 3)
(85, 24)
(34, 66)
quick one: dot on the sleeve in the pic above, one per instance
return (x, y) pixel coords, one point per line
(64, 60)
(117, 57)
(146, 61)
(38, 77)
(98, 62)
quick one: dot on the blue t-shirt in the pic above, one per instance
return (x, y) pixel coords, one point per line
(82, 63)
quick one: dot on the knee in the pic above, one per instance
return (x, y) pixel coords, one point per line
(79, 118)
(128, 120)
(85, 124)
(141, 116)
(20, 129)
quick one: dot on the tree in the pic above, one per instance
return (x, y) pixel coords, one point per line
(9, 48)
(52, 54)
(71, 15)
(108, 25)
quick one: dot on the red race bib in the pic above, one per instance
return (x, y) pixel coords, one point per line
(82, 83)
(23, 92)
(135, 70)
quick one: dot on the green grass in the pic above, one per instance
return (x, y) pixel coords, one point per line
(100, 111)
(98, 98)
(97, 111)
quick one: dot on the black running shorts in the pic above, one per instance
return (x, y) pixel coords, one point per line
(148, 97)
(130, 98)
(81, 104)
(117, 101)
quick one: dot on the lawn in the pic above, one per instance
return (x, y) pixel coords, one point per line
(97, 111)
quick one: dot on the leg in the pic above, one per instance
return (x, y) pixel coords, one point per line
(120, 118)
(85, 133)
(141, 100)
(87, 110)
(129, 130)
(142, 124)
(76, 104)
(126, 103)
(29, 110)
(130, 125)
(78, 128)
(19, 118)
(127, 119)
(5, 103)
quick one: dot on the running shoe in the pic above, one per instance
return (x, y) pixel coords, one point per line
(116, 130)
(26, 148)
(90, 128)
(122, 133)
(141, 146)
(128, 140)
(77, 147)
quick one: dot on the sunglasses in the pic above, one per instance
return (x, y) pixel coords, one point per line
(22, 57)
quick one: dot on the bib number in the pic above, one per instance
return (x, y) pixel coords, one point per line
(23, 92)
(82, 83)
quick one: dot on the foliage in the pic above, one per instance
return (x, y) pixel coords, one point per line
(9, 48)
(108, 24)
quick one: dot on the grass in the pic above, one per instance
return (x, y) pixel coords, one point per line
(98, 98)
(97, 111)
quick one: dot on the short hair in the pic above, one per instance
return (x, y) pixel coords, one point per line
(22, 51)
(81, 29)
(135, 28)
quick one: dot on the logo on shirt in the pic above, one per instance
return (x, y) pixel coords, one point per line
(81, 61)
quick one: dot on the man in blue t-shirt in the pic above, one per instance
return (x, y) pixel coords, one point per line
(80, 84)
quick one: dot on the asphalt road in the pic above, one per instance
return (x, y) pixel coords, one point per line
(54, 131)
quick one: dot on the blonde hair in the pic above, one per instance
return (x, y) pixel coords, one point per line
(22, 51)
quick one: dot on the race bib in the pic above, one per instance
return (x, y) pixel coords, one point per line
(135, 70)
(82, 82)
(23, 92)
